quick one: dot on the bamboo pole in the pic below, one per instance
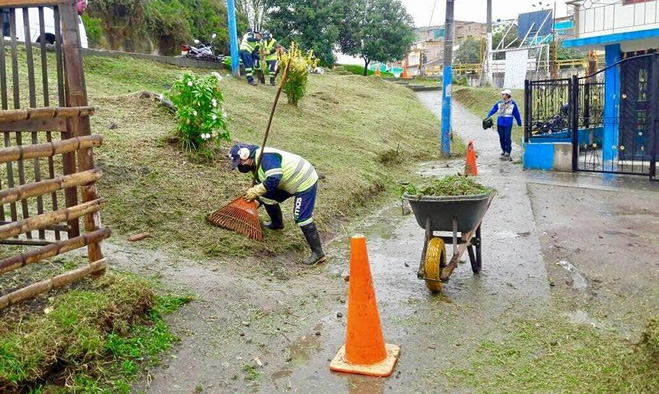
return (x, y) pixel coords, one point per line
(51, 250)
(76, 95)
(24, 152)
(52, 283)
(18, 193)
(46, 113)
(46, 219)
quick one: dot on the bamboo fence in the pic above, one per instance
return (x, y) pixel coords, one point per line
(46, 163)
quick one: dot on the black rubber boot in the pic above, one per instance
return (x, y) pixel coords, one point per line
(276, 220)
(313, 239)
(272, 80)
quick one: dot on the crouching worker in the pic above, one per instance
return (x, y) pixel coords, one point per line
(280, 176)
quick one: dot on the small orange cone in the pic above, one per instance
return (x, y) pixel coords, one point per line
(470, 164)
(404, 76)
(365, 352)
(377, 71)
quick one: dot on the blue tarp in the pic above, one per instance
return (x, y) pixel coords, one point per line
(525, 23)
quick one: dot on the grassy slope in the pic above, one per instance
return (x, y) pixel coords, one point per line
(341, 126)
(480, 101)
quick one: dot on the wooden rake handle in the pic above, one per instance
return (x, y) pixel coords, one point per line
(272, 114)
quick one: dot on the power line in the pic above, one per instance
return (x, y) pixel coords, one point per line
(432, 13)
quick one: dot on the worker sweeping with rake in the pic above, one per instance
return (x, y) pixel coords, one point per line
(280, 176)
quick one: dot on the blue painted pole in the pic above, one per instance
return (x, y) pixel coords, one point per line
(233, 38)
(447, 78)
(610, 140)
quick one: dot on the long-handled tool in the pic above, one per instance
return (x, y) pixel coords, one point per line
(240, 215)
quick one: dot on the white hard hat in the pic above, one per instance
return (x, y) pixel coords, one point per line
(507, 91)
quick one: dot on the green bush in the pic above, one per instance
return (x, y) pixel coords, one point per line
(94, 31)
(200, 117)
(460, 80)
(298, 72)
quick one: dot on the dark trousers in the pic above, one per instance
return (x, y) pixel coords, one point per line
(248, 61)
(505, 134)
(303, 205)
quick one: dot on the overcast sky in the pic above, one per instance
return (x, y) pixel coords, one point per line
(475, 10)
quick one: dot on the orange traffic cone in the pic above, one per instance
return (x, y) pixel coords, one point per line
(377, 71)
(470, 164)
(365, 352)
(404, 76)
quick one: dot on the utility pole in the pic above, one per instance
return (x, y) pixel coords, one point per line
(233, 38)
(486, 74)
(553, 48)
(447, 78)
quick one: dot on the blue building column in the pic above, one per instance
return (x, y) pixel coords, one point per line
(612, 55)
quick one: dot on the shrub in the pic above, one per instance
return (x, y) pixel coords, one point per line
(200, 117)
(94, 31)
(298, 72)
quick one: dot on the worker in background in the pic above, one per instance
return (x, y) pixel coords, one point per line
(506, 109)
(248, 45)
(270, 48)
(280, 176)
(256, 55)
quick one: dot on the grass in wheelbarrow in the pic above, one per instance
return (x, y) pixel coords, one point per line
(452, 185)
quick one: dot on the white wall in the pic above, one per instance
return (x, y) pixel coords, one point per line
(618, 18)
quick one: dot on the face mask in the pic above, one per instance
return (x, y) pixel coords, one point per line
(244, 168)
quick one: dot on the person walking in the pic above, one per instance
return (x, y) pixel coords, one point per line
(506, 109)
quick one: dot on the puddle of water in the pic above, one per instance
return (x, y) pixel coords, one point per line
(304, 348)
(578, 281)
(365, 385)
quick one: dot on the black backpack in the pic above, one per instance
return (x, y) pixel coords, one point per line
(487, 123)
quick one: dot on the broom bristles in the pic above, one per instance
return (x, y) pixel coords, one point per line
(239, 216)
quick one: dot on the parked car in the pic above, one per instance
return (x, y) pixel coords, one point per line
(35, 33)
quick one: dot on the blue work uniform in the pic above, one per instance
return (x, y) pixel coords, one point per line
(506, 111)
(248, 45)
(285, 175)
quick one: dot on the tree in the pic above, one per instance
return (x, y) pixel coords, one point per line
(376, 30)
(311, 24)
(469, 51)
(254, 10)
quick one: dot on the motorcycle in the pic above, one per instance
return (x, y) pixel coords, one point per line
(201, 52)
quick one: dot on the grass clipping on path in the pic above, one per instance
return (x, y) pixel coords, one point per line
(87, 338)
(452, 185)
(553, 355)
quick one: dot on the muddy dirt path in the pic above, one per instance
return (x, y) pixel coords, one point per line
(273, 326)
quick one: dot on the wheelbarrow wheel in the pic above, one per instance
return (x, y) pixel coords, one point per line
(435, 258)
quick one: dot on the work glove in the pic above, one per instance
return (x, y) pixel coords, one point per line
(254, 192)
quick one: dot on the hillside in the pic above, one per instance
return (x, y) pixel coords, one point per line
(354, 130)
